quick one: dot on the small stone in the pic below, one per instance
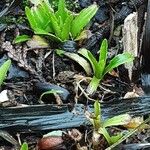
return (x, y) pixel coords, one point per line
(51, 143)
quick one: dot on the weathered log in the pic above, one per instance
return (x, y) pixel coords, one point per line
(146, 43)
(45, 117)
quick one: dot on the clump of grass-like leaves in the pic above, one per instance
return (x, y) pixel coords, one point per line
(60, 25)
(100, 66)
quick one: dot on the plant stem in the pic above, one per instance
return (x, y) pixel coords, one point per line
(92, 87)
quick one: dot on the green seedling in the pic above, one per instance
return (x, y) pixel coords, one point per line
(3, 71)
(60, 25)
(50, 92)
(100, 67)
(24, 146)
(100, 125)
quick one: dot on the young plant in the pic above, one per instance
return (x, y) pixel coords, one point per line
(24, 146)
(53, 91)
(59, 25)
(3, 70)
(100, 67)
(101, 125)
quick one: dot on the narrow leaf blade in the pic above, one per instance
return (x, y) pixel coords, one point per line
(50, 36)
(117, 61)
(3, 70)
(21, 38)
(117, 120)
(62, 11)
(83, 19)
(103, 56)
(97, 109)
(66, 28)
(30, 17)
(88, 55)
(24, 146)
(80, 60)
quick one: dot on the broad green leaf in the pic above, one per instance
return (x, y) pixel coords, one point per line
(55, 25)
(97, 109)
(30, 17)
(50, 36)
(88, 55)
(3, 70)
(62, 11)
(21, 38)
(80, 60)
(117, 120)
(39, 16)
(24, 146)
(66, 28)
(83, 19)
(43, 17)
(47, 11)
(46, 7)
(117, 61)
(102, 56)
(50, 92)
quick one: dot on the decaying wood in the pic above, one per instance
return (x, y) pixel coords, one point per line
(146, 43)
(130, 33)
(45, 117)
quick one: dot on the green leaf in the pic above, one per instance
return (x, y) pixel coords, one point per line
(117, 61)
(66, 28)
(21, 38)
(92, 87)
(62, 11)
(60, 52)
(80, 60)
(24, 146)
(39, 16)
(42, 17)
(115, 138)
(102, 57)
(126, 136)
(55, 25)
(117, 120)
(3, 70)
(30, 17)
(97, 109)
(105, 133)
(50, 92)
(50, 36)
(46, 11)
(89, 56)
(83, 19)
